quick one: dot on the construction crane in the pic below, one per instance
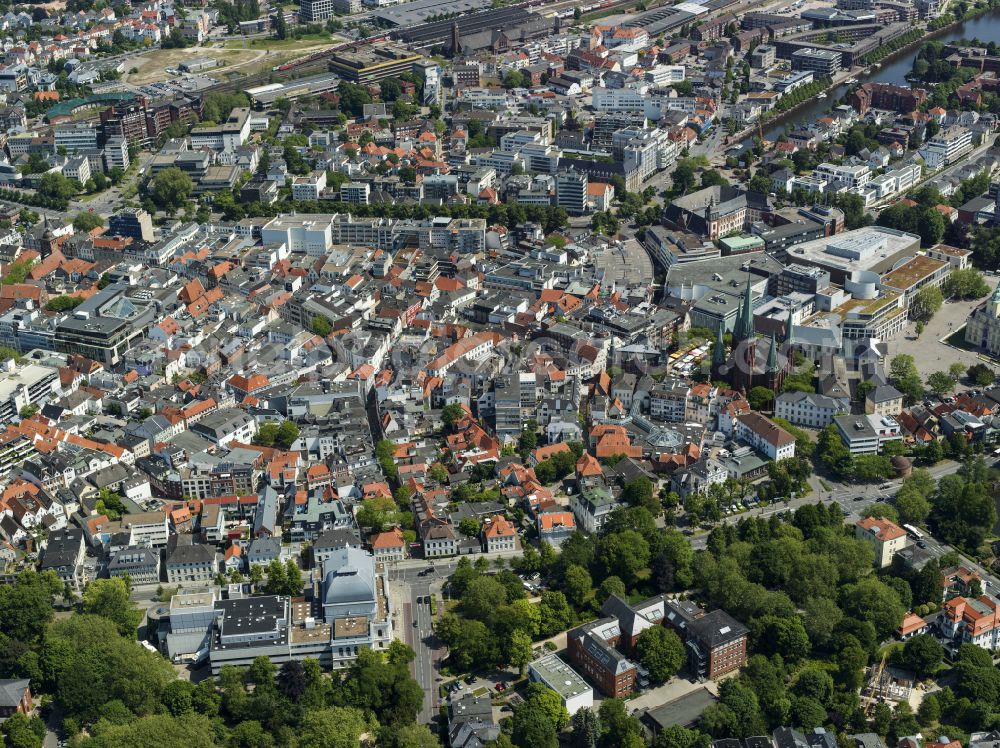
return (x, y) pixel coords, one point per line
(874, 686)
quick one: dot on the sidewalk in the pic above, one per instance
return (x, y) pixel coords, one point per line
(668, 692)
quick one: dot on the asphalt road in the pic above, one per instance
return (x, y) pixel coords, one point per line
(845, 495)
(991, 582)
(421, 637)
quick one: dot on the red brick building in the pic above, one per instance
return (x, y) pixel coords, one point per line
(592, 649)
(717, 644)
(15, 696)
(887, 96)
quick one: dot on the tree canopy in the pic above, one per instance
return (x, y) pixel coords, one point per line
(171, 189)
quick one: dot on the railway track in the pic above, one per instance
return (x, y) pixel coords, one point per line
(317, 62)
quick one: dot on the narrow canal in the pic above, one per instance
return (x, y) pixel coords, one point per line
(985, 28)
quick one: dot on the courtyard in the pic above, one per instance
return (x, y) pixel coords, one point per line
(931, 351)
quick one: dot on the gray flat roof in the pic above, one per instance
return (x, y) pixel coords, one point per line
(419, 11)
(311, 84)
(683, 711)
(704, 272)
(862, 249)
(559, 676)
(104, 325)
(23, 376)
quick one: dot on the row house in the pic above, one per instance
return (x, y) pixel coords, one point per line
(437, 535)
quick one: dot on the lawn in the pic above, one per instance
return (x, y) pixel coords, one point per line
(275, 45)
(957, 339)
(90, 197)
(888, 651)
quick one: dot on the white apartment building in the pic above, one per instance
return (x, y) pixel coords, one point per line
(972, 620)
(355, 193)
(619, 100)
(473, 347)
(895, 181)
(764, 436)
(78, 168)
(635, 99)
(502, 162)
(24, 385)
(463, 235)
(886, 538)
(540, 158)
(811, 183)
(309, 187)
(809, 409)
(485, 98)
(311, 11)
(666, 401)
(592, 506)
(906, 176)
(300, 233)
(947, 146)
(648, 152)
(665, 75)
(147, 528)
(191, 563)
(867, 434)
(855, 176)
(226, 136)
(514, 141)
(116, 154)
(78, 136)
(499, 535)
(639, 155)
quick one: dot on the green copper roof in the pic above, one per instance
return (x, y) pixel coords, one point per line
(719, 351)
(772, 356)
(743, 330)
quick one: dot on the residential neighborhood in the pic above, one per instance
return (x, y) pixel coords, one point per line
(500, 374)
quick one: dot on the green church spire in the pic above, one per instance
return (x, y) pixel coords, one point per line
(772, 356)
(743, 329)
(719, 352)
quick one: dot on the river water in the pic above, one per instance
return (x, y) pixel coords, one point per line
(985, 27)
